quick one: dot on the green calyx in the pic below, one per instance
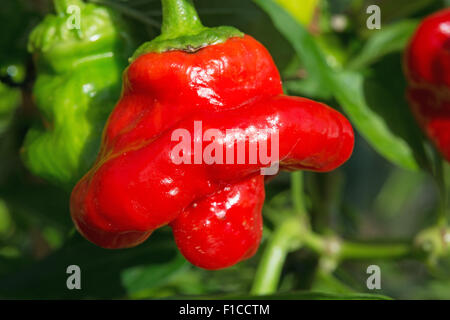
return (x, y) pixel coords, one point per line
(78, 30)
(182, 30)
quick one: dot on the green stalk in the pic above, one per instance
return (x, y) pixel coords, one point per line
(179, 18)
(353, 250)
(182, 30)
(284, 239)
(347, 250)
(291, 236)
(294, 232)
(297, 194)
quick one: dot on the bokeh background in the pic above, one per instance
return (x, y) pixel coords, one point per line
(383, 193)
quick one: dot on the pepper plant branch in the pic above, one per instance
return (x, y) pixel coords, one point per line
(294, 232)
(348, 250)
(355, 250)
(179, 18)
(292, 235)
(282, 241)
(297, 193)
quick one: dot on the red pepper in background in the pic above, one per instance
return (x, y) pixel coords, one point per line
(427, 67)
(226, 80)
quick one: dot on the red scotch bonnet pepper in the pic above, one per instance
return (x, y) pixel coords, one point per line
(226, 80)
(427, 67)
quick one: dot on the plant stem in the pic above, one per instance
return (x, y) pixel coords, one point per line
(283, 240)
(179, 18)
(353, 250)
(291, 236)
(347, 250)
(297, 193)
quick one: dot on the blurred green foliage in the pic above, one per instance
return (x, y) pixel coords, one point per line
(385, 191)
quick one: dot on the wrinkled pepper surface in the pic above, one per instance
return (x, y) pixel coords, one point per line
(427, 67)
(80, 54)
(226, 80)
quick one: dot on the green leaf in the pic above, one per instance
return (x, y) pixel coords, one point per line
(303, 11)
(398, 193)
(372, 119)
(304, 295)
(300, 40)
(349, 90)
(140, 279)
(389, 39)
(248, 18)
(306, 87)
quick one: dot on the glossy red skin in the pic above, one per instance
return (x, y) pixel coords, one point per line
(224, 228)
(135, 186)
(427, 66)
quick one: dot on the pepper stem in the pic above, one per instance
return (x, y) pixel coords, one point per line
(179, 18)
(182, 30)
(62, 5)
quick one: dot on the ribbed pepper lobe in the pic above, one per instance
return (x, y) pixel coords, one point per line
(214, 209)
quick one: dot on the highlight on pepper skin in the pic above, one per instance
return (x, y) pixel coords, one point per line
(136, 157)
(228, 84)
(169, 149)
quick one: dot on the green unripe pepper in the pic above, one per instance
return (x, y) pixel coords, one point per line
(79, 54)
